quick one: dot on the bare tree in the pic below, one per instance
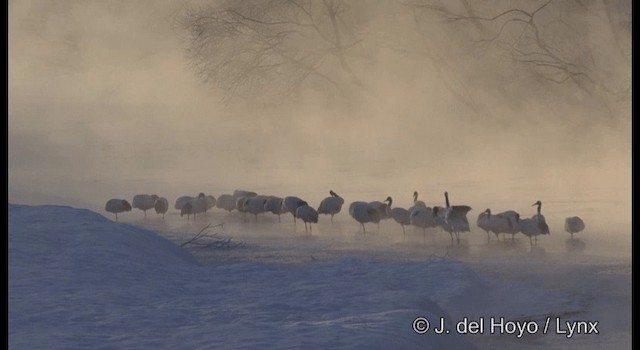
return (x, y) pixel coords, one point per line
(274, 47)
(552, 42)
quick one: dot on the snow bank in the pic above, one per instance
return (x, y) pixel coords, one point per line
(55, 232)
(79, 280)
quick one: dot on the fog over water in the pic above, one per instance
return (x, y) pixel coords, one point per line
(104, 102)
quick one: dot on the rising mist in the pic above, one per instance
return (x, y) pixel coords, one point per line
(106, 100)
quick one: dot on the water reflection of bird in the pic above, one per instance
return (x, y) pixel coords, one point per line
(575, 245)
(573, 225)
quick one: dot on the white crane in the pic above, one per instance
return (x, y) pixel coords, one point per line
(399, 215)
(456, 218)
(188, 210)
(438, 214)
(193, 205)
(353, 205)
(362, 212)
(241, 203)
(382, 209)
(508, 225)
(331, 205)
(291, 204)
(539, 215)
(416, 202)
(274, 205)
(573, 224)
(161, 206)
(210, 202)
(144, 202)
(532, 227)
(234, 201)
(422, 217)
(484, 222)
(226, 202)
(182, 201)
(308, 215)
(498, 223)
(255, 205)
(117, 206)
(243, 193)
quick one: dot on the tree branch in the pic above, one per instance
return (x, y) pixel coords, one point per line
(439, 71)
(200, 234)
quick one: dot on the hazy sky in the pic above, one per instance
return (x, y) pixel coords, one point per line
(102, 105)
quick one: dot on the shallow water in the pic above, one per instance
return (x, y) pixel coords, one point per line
(579, 266)
(599, 256)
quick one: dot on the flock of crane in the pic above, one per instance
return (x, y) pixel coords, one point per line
(451, 218)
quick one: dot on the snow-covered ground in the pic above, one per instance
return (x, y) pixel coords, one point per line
(78, 280)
